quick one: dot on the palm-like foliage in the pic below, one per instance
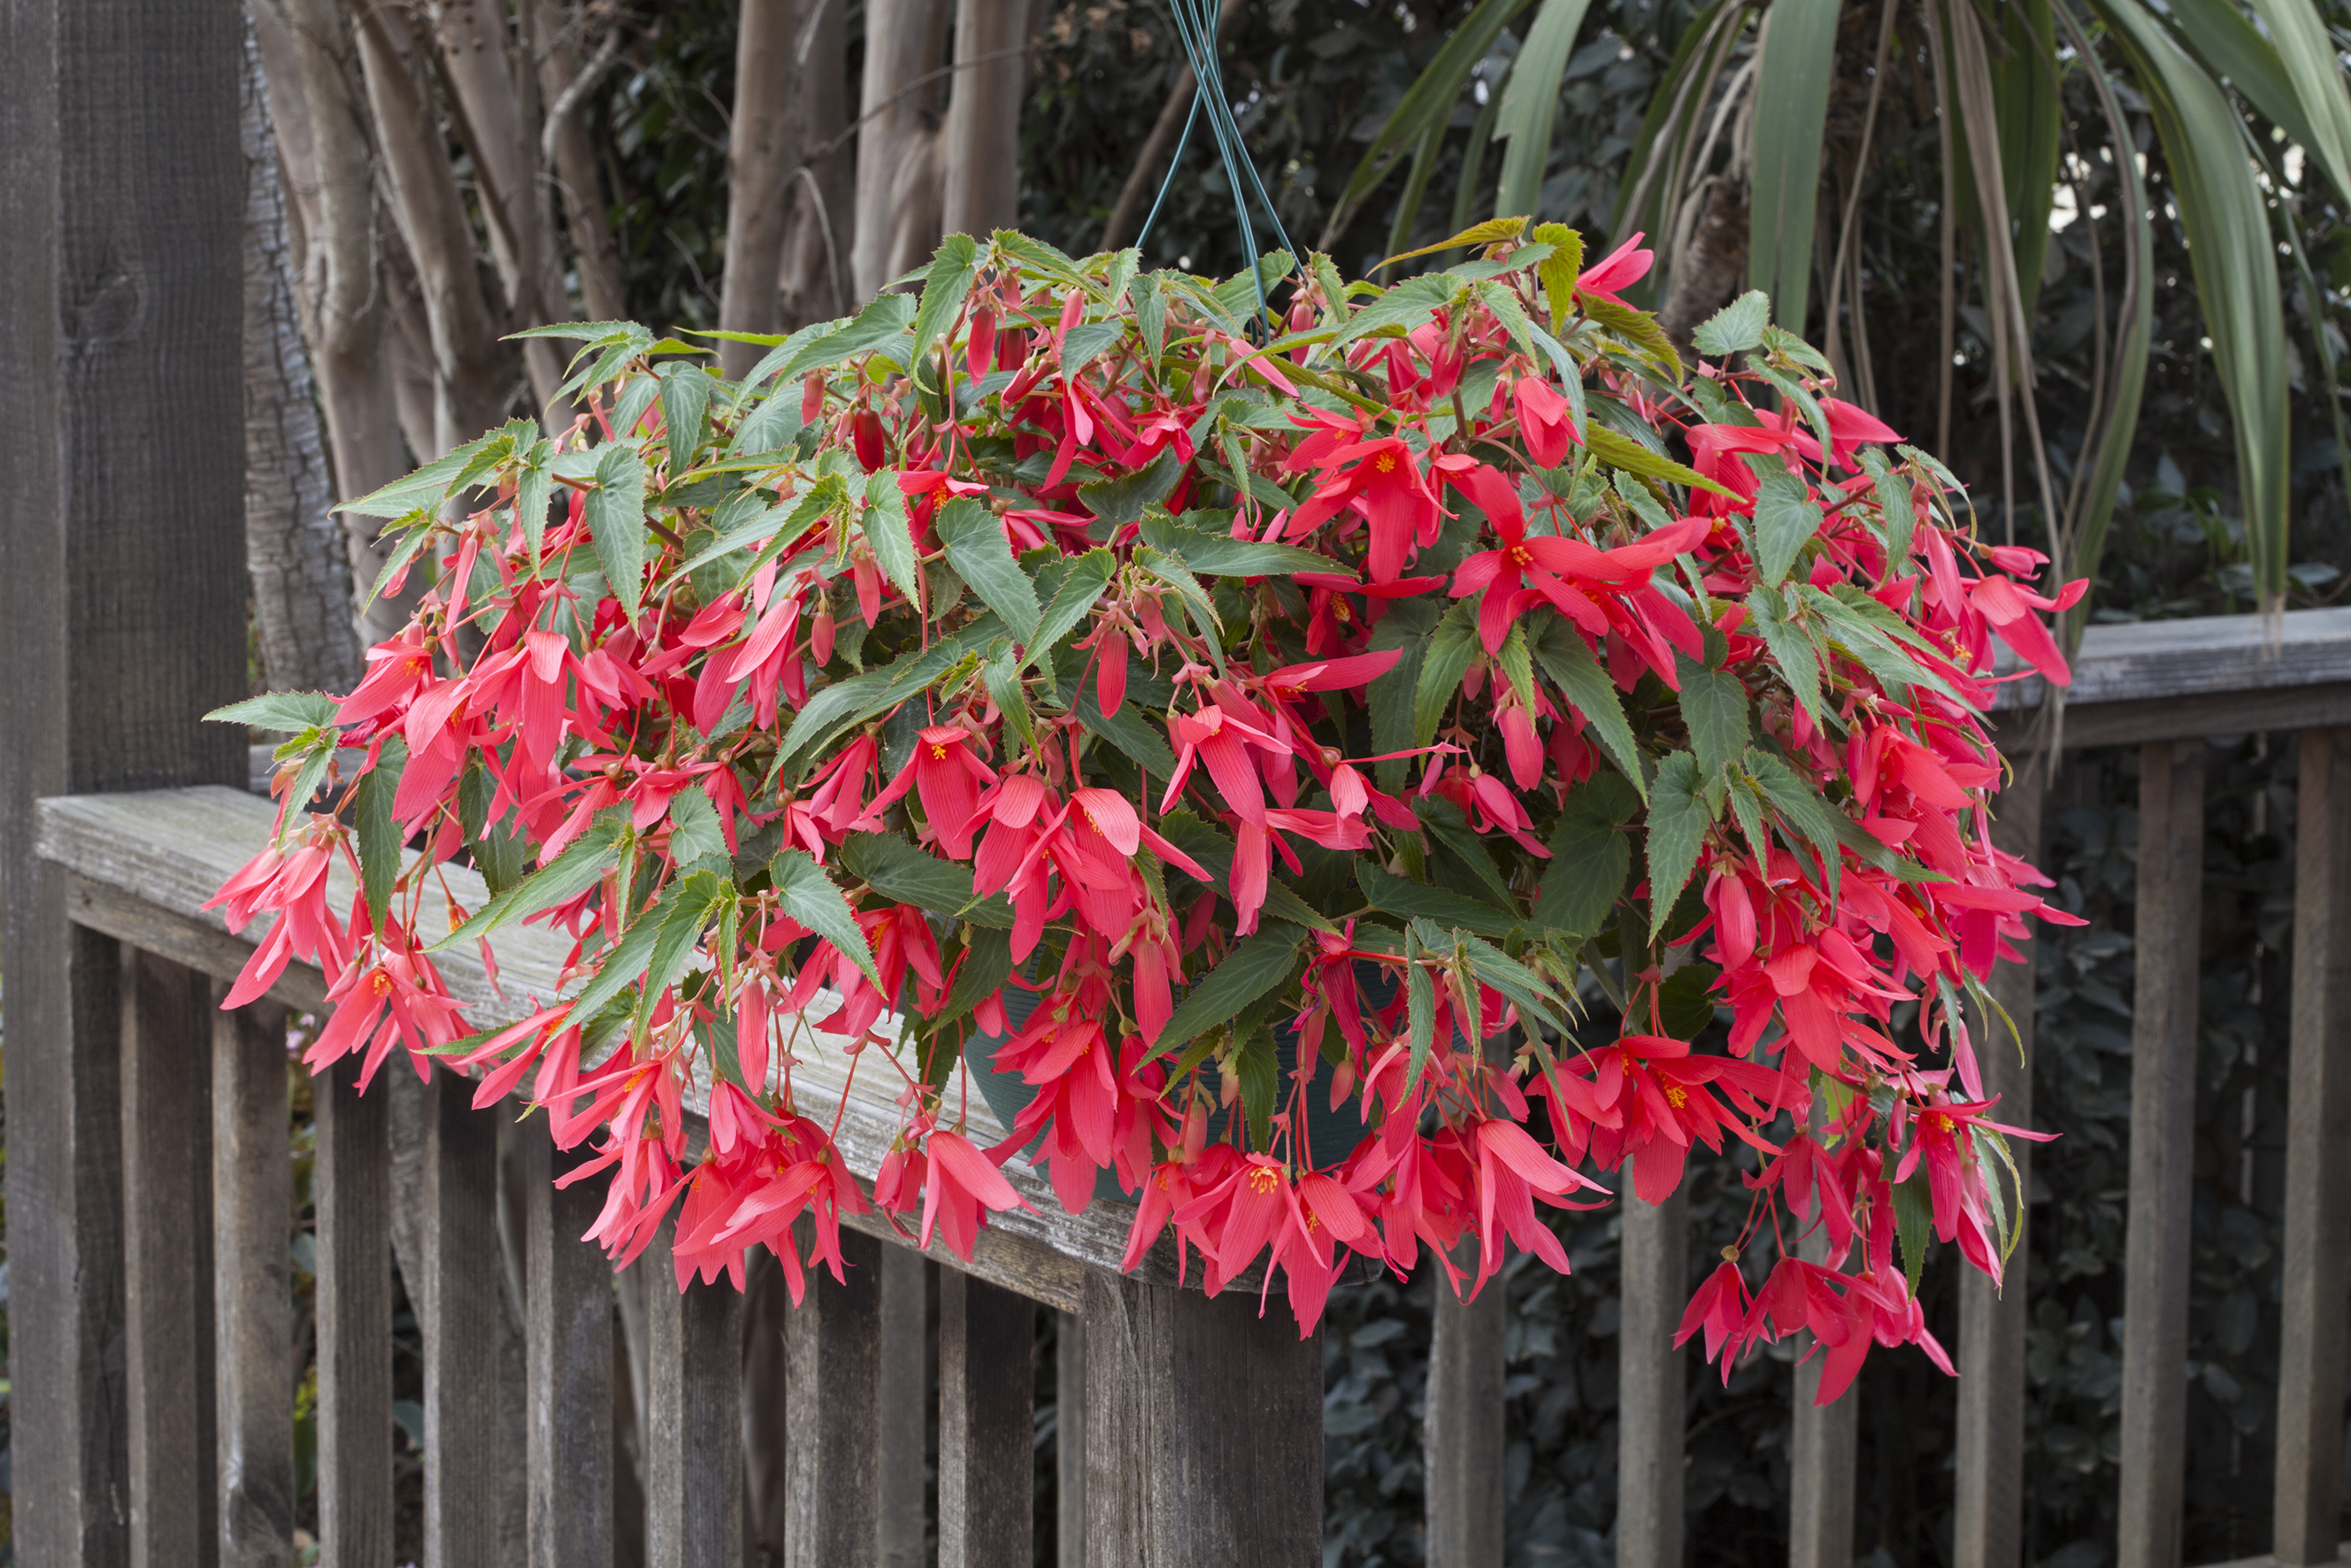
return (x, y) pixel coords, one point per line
(1764, 136)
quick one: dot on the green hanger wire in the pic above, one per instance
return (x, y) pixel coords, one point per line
(1195, 24)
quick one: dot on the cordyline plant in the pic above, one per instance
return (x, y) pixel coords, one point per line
(1249, 749)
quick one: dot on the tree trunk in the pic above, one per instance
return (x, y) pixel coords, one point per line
(818, 283)
(762, 151)
(561, 32)
(983, 138)
(301, 584)
(473, 378)
(342, 298)
(500, 129)
(906, 41)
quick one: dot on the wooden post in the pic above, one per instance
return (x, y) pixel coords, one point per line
(459, 1316)
(987, 1384)
(568, 1354)
(1069, 1440)
(1822, 1449)
(902, 1412)
(121, 621)
(1204, 1430)
(1987, 1524)
(693, 1443)
(350, 1187)
(831, 1390)
(1650, 1407)
(253, 1209)
(167, 1261)
(2317, 1161)
(2162, 1153)
(1462, 1431)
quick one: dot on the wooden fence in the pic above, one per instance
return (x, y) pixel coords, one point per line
(148, 1179)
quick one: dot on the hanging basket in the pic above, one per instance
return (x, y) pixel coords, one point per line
(1265, 756)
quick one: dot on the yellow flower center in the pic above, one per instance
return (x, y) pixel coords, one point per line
(1385, 463)
(938, 752)
(1676, 1096)
(1263, 1179)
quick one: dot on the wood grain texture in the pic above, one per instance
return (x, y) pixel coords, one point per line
(902, 1412)
(2197, 656)
(1987, 1525)
(252, 1208)
(459, 1317)
(1462, 1434)
(2137, 720)
(987, 1381)
(1650, 1380)
(135, 923)
(121, 620)
(567, 1351)
(833, 1349)
(693, 1445)
(172, 849)
(2170, 909)
(1204, 1430)
(350, 1185)
(1069, 1441)
(167, 1260)
(2317, 1255)
(1822, 1446)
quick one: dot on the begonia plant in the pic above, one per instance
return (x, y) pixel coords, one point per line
(1264, 736)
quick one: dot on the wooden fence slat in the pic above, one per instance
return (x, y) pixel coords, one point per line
(833, 1347)
(122, 621)
(1069, 1440)
(902, 1409)
(1651, 1412)
(987, 1397)
(459, 1316)
(1823, 1443)
(693, 1442)
(2317, 1162)
(350, 1190)
(167, 1300)
(2162, 1153)
(252, 1208)
(1204, 1430)
(568, 1371)
(1987, 1524)
(1462, 1429)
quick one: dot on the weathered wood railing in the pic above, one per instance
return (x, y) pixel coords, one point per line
(1197, 1434)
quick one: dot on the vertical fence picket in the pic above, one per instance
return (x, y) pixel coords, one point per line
(253, 1205)
(1988, 1512)
(567, 1349)
(987, 1381)
(1650, 1394)
(351, 1188)
(459, 1314)
(693, 1443)
(167, 1229)
(1823, 1443)
(2317, 1162)
(1069, 1440)
(1204, 1430)
(2162, 1153)
(1462, 1436)
(901, 1414)
(831, 1382)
